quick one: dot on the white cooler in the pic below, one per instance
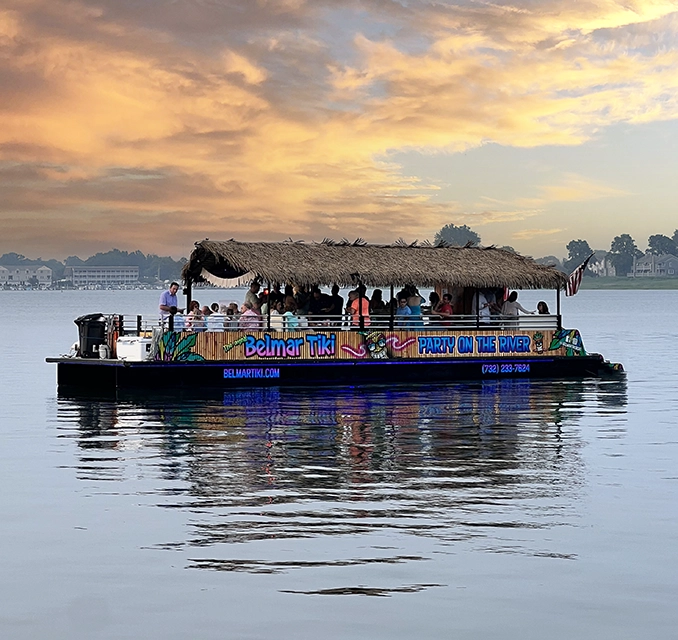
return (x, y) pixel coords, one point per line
(133, 348)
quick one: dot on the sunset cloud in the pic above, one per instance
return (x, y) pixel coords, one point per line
(150, 125)
(530, 234)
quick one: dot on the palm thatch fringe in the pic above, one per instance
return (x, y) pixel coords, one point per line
(346, 264)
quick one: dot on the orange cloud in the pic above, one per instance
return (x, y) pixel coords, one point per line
(143, 128)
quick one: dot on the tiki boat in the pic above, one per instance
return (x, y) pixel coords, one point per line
(121, 351)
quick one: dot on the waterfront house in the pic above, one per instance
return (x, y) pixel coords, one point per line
(653, 266)
(23, 275)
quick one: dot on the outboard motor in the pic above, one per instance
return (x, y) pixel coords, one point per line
(92, 334)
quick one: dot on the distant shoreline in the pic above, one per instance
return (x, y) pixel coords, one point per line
(629, 283)
(599, 283)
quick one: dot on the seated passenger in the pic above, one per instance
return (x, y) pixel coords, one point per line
(179, 321)
(215, 321)
(277, 320)
(542, 308)
(249, 319)
(231, 321)
(402, 314)
(195, 321)
(290, 320)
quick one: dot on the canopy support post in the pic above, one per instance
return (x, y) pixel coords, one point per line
(188, 293)
(268, 305)
(391, 311)
(477, 308)
(360, 305)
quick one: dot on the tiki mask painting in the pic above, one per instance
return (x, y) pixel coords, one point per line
(375, 341)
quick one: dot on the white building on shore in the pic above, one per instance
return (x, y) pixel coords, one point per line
(82, 276)
(23, 275)
(602, 266)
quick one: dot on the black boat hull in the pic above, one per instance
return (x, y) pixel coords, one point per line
(102, 376)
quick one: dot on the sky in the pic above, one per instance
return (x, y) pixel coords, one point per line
(154, 124)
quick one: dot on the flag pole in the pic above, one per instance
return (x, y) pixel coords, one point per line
(560, 317)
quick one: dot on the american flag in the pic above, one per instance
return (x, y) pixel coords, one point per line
(574, 279)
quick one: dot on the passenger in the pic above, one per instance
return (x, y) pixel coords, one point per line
(319, 307)
(542, 308)
(337, 305)
(496, 302)
(265, 299)
(414, 301)
(252, 296)
(302, 299)
(168, 299)
(214, 308)
(289, 293)
(216, 320)
(263, 303)
(290, 320)
(277, 321)
(231, 322)
(179, 322)
(434, 301)
(206, 311)
(445, 310)
(512, 306)
(377, 304)
(491, 298)
(353, 309)
(195, 321)
(249, 318)
(403, 313)
(483, 308)
(276, 295)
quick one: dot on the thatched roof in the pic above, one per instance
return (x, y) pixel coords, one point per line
(232, 263)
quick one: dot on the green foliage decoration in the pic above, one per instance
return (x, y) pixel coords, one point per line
(172, 347)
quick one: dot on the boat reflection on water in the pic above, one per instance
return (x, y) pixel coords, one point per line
(462, 462)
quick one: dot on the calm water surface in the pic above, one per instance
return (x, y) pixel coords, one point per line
(505, 509)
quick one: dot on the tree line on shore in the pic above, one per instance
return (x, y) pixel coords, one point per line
(623, 248)
(623, 251)
(151, 267)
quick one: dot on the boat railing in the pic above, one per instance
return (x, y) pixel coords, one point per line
(137, 325)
